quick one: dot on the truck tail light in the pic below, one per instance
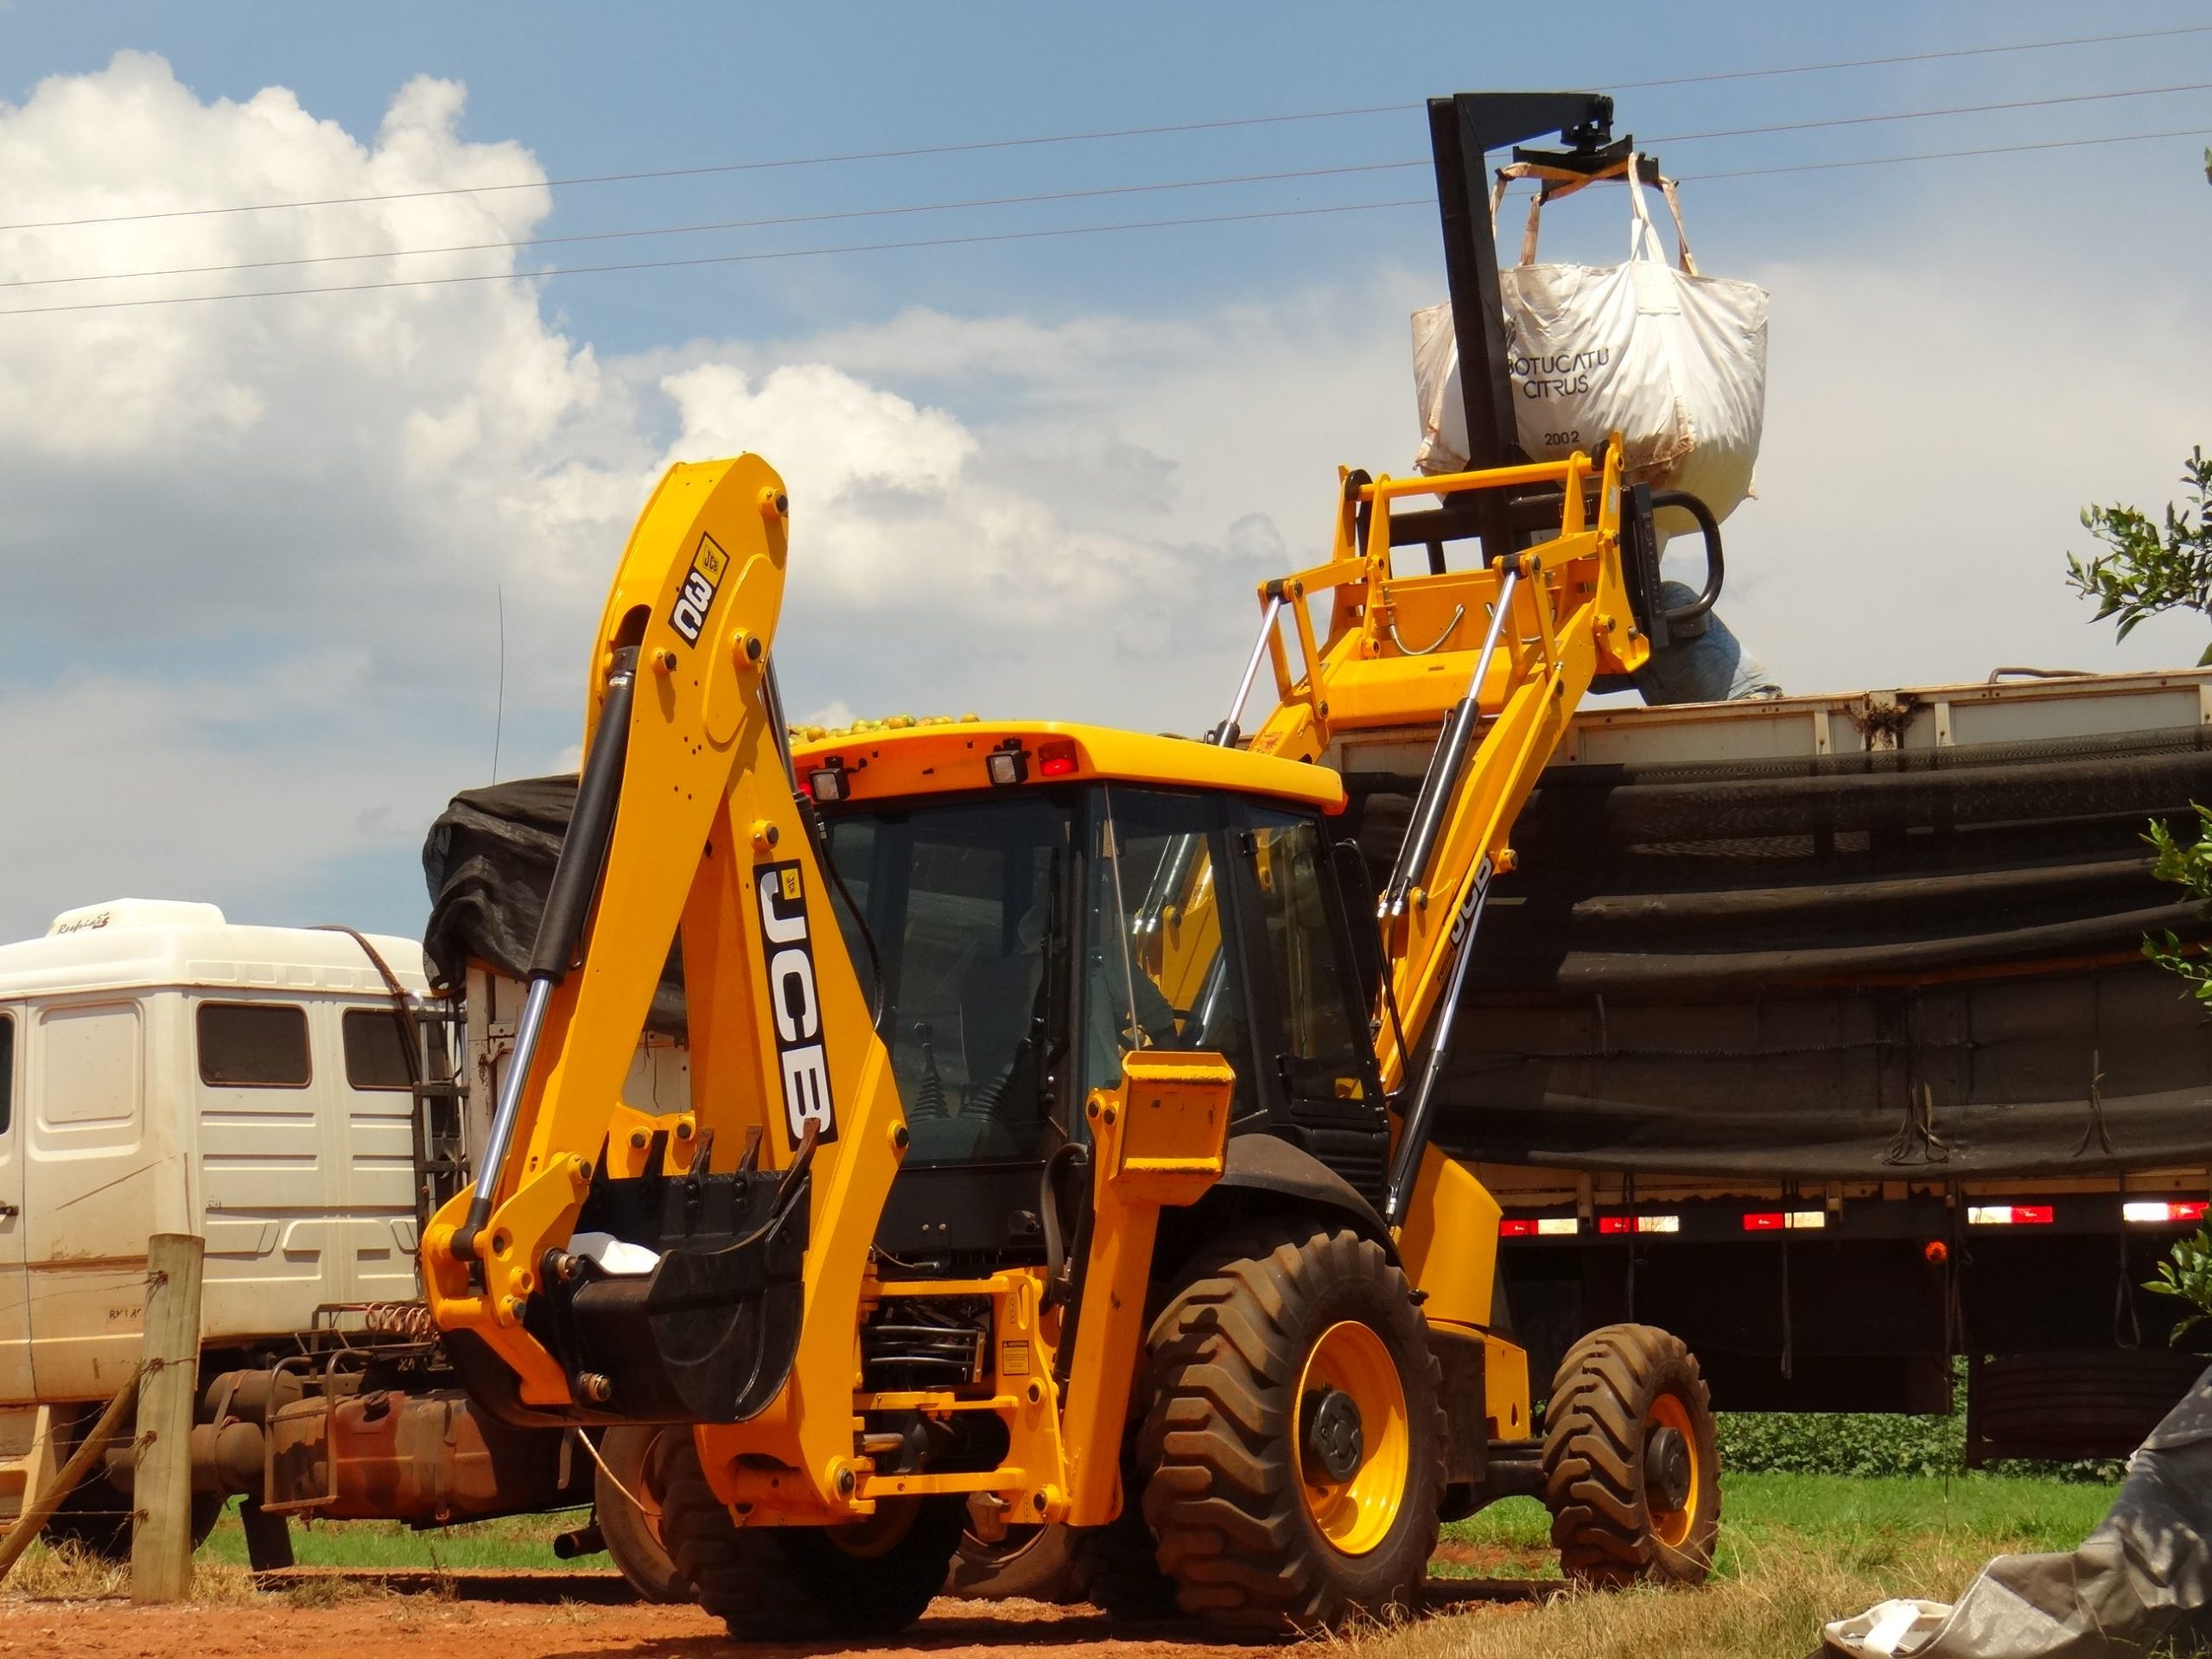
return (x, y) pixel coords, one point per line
(1055, 759)
(2163, 1212)
(1639, 1224)
(1780, 1221)
(1538, 1227)
(2009, 1215)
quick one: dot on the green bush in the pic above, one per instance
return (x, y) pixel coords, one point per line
(1842, 1443)
(1875, 1443)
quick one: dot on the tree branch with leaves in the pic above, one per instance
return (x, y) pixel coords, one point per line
(2144, 573)
(2147, 569)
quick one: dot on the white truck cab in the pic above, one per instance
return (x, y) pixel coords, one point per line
(162, 1070)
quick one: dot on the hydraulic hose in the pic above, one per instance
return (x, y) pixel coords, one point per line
(576, 884)
(1453, 745)
(1412, 1135)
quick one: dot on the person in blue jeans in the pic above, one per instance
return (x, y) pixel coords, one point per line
(1702, 660)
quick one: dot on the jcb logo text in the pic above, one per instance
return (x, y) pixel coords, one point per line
(796, 1001)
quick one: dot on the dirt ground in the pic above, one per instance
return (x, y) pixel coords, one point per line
(375, 1624)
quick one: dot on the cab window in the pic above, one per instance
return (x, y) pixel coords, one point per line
(376, 1050)
(1156, 973)
(967, 907)
(7, 1069)
(1322, 1036)
(253, 1045)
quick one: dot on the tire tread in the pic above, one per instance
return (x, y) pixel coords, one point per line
(1223, 1499)
(1593, 1458)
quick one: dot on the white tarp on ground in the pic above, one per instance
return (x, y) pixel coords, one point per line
(1673, 360)
(2144, 1577)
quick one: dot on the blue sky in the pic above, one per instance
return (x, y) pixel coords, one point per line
(332, 498)
(593, 90)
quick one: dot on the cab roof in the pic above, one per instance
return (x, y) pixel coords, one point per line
(939, 756)
(130, 945)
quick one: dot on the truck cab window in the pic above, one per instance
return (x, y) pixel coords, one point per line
(253, 1046)
(376, 1050)
(7, 1068)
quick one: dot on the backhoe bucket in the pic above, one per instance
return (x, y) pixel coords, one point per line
(710, 1333)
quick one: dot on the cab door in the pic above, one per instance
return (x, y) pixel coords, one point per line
(14, 1298)
(1318, 1054)
(95, 1184)
(1159, 966)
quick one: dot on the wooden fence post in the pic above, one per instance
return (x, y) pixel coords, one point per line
(169, 1389)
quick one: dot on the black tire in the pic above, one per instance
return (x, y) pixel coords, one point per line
(633, 1533)
(1117, 1565)
(1029, 1564)
(799, 1583)
(1621, 1511)
(1253, 1544)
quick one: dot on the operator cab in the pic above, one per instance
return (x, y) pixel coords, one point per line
(1026, 908)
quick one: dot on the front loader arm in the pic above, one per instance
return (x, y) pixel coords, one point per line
(702, 826)
(1497, 659)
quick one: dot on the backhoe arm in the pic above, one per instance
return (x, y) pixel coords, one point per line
(686, 815)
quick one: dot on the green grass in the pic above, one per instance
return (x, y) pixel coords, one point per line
(1795, 1550)
(1868, 1519)
(516, 1541)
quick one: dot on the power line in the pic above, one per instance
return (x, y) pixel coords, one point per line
(1022, 236)
(1093, 193)
(837, 159)
(974, 146)
(725, 225)
(1908, 57)
(1949, 155)
(1922, 115)
(715, 259)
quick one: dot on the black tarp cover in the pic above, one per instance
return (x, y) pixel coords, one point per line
(489, 862)
(1921, 965)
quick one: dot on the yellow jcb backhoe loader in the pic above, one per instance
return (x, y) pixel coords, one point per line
(1043, 1166)
(1058, 1150)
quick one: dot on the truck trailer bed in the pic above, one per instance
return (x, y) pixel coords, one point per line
(1819, 1031)
(1839, 938)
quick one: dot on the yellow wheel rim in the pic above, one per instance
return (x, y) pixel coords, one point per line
(1672, 1527)
(1356, 1512)
(880, 1534)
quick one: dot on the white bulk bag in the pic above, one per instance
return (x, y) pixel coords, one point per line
(1673, 360)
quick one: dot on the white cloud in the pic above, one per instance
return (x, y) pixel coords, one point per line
(251, 550)
(1932, 431)
(212, 505)
(201, 787)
